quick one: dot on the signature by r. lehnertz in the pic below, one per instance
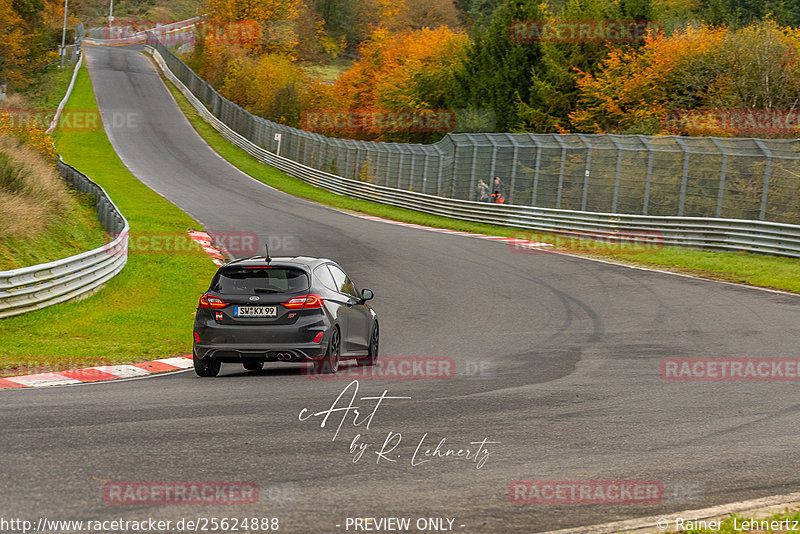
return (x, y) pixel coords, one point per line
(348, 409)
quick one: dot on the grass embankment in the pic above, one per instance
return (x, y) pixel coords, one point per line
(745, 268)
(327, 71)
(41, 219)
(144, 312)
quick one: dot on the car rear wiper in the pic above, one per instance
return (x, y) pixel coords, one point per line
(266, 290)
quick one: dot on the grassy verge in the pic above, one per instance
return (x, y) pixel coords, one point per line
(41, 220)
(327, 71)
(49, 87)
(144, 312)
(752, 269)
(77, 230)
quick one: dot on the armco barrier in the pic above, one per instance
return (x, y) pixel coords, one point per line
(707, 232)
(39, 286)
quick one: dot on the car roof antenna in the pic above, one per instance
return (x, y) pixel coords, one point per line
(266, 248)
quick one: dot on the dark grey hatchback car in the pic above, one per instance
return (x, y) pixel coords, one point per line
(283, 309)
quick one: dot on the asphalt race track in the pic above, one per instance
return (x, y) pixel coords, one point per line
(557, 361)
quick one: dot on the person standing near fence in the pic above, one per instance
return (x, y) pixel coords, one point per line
(497, 191)
(483, 191)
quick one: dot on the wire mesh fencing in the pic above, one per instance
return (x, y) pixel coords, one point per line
(732, 178)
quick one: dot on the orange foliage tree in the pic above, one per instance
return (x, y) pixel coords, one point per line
(31, 134)
(633, 89)
(275, 19)
(26, 40)
(699, 68)
(410, 70)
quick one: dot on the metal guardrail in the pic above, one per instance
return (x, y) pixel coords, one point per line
(715, 233)
(32, 288)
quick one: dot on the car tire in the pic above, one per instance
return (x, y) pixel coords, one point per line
(330, 362)
(253, 365)
(206, 368)
(374, 341)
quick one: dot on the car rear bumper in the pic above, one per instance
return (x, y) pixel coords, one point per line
(286, 352)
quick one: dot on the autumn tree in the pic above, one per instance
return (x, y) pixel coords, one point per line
(554, 81)
(411, 70)
(476, 13)
(701, 68)
(497, 72)
(632, 90)
(419, 14)
(26, 41)
(739, 13)
(276, 21)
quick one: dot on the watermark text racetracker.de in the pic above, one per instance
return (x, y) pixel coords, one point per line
(138, 526)
(732, 121)
(234, 244)
(409, 368)
(581, 31)
(620, 242)
(730, 369)
(228, 33)
(180, 493)
(378, 120)
(73, 120)
(586, 492)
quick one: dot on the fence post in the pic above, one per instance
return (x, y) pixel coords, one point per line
(493, 166)
(472, 171)
(722, 173)
(388, 163)
(399, 166)
(767, 167)
(561, 170)
(441, 170)
(586, 170)
(305, 150)
(514, 165)
(685, 177)
(649, 176)
(425, 172)
(535, 140)
(413, 162)
(615, 198)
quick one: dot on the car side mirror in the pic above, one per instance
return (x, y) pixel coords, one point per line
(366, 294)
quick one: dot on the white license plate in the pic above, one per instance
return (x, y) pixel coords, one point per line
(255, 311)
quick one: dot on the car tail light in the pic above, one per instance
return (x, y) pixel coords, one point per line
(303, 303)
(197, 337)
(214, 303)
(318, 337)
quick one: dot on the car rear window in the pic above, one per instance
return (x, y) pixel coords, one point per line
(238, 281)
